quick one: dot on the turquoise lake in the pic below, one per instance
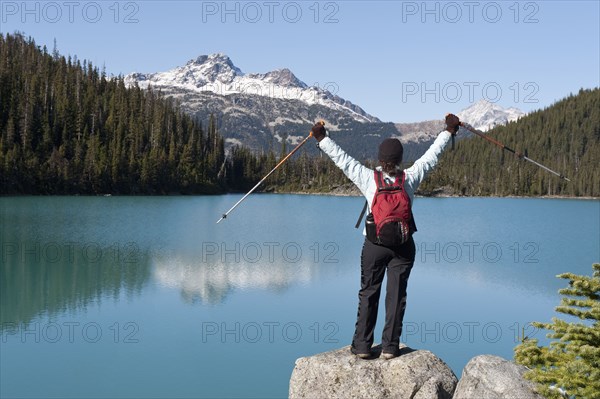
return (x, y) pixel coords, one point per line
(148, 297)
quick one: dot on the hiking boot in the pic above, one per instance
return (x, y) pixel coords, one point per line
(360, 355)
(388, 355)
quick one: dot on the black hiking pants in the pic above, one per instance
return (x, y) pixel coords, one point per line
(375, 259)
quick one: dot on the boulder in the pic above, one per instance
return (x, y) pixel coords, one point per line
(416, 374)
(493, 377)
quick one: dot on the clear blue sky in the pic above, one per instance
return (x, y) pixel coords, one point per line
(402, 61)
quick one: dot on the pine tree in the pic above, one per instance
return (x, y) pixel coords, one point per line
(570, 365)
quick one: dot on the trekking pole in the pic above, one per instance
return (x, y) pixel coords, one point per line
(518, 154)
(265, 178)
(362, 214)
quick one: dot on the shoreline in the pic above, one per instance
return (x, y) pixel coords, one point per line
(331, 193)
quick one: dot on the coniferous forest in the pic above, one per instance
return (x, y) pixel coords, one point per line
(564, 137)
(68, 128)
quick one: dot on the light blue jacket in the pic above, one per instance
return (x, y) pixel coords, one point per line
(364, 177)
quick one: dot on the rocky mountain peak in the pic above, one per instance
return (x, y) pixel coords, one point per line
(284, 77)
(212, 68)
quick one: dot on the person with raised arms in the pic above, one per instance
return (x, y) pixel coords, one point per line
(388, 246)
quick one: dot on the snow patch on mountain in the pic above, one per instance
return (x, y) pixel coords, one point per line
(484, 115)
(234, 142)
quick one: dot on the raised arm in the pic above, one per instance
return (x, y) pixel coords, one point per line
(359, 174)
(424, 165)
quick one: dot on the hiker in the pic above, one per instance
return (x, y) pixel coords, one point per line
(376, 258)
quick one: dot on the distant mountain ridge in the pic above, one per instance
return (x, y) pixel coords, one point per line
(484, 115)
(260, 110)
(217, 74)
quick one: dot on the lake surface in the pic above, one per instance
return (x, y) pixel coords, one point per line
(148, 297)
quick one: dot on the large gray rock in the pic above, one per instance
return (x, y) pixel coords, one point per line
(493, 377)
(416, 374)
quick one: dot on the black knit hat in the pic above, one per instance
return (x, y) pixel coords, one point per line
(390, 150)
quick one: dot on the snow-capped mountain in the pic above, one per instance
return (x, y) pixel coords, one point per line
(484, 115)
(261, 110)
(217, 74)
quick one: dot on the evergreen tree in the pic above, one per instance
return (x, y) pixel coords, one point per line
(570, 366)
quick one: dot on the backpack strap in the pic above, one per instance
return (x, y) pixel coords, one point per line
(379, 180)
(400, 183)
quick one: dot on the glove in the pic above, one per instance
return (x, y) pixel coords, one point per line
(452, 123)
(318, 131)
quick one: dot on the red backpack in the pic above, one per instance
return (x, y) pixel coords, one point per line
(390, 222)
